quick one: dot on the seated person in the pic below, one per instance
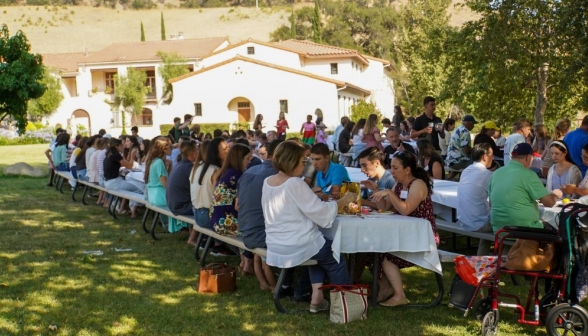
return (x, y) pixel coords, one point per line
(177, 190)
(156, 174)
(112, 180)
(292, 216)
(330, 176)
(254, 159)
(59, 154)
(411, 196)
(473, 209)
(514, 190)
(371, 163)
(460, 144)
(430, 160)
(582, 188)
(175, 153)
(485, 136)
(564, 171)
(396, 145)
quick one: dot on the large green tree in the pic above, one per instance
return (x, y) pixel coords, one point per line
(21, 74)
(130, 93)
(173, 66)
(511, 63)
(51, 98)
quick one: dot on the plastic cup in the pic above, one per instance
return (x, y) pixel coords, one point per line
(365, 210)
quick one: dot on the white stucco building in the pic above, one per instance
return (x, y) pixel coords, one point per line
(226, 84)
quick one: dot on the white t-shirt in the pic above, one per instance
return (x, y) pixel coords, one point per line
(473, 208)
(201, 195)
(293, 214)
(512, 140)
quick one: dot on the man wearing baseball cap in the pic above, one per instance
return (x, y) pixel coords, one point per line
(460, 145)
(485, 136)
(514, 190)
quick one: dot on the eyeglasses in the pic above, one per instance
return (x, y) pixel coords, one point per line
(584, 157)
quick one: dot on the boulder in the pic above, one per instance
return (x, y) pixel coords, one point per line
(23, 169)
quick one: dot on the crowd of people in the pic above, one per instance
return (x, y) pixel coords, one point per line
(277, 192)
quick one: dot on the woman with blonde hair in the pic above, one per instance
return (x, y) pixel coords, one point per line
(562, 127)
(371, 133)
(282, 126)
(542, 138)
(257, 126)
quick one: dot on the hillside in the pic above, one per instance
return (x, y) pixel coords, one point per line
(53, 29)
(69, 29)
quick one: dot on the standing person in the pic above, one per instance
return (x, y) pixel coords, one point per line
(522, 129)
(308, 131)
(135, 133)
(473, 208)
(59, 154)
(576, 140)
(319, 116)
(564, 171)
(195, 132)
(371, 133)
(293, 215)
(344, 140)
(177, 191)
(321, 134)
(411, 196)
(338, 130)
(404, 131)
(542, 138)
(395, 145)
(257, 126)
(398, 116)
(183, 129)
(430, 160)
(425, 126)
(448, 127)
(282, 126)
(225, 204)
(499, 139)
(386, 123)
(485, 136)
(562, 127)
(460, 145)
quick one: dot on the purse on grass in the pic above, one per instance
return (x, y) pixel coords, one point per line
(528, 255)
(348, 302)
(217, 278)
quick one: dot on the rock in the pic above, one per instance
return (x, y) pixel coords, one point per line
(23, 169)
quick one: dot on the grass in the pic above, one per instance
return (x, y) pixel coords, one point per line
(46, 280)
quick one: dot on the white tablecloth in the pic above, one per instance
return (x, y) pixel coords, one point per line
(136, 178)
(408, 238)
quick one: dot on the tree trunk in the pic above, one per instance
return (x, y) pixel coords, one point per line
(541, 100)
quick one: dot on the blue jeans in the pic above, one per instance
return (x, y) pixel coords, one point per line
(202, 217)
(74, 172)
(64, 166)
(327, 264)
(82, 175)
(120, 184)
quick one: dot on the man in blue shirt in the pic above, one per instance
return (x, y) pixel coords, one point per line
(177, 190)
(330, 176)
(576, 140)
(252, 223)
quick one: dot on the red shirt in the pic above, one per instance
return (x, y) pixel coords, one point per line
(282, 125)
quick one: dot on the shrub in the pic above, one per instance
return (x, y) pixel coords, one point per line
(31, 127)
(363, 109)
(10, 138)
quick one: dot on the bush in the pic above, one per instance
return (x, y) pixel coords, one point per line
(204, 128)
(20, 141)
(10, 138)
(363, 109)
(31, 127)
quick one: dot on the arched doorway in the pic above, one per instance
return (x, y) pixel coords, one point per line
(80, 122)
(244, 108)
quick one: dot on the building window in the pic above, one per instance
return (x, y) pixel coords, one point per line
(283, 106)
(109, 81)
(250, 50)
(146, 117)
(243, 105)
(334, 69)
(150, 82)
(198, 109)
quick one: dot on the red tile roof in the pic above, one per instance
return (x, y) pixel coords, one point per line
(66, 63)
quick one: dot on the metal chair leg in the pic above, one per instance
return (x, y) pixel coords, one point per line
(277, 302)
(153, 225)
(144, 221)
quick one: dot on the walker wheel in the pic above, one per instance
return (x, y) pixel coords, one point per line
(490, 323)
(565, 319)
(482, 307)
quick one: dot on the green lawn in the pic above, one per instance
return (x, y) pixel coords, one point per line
(46, 280)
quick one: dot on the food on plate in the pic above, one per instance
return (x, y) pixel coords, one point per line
(565, 200)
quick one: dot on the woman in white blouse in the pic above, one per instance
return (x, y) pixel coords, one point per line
(564, 171)
(293, 214)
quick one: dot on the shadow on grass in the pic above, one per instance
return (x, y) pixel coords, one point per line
(47, 280)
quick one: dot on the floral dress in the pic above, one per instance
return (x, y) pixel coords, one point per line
(423, 210)
(223, 218)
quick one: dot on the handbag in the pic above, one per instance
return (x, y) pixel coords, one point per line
(348, 302)
(217, 278)
(471, 269)
(528, 255)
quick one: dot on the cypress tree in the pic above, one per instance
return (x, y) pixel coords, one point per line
(316, 24)
(142, 33)
(293, 24)
(162, 28)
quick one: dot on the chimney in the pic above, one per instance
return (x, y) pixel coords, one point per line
(86, 52)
